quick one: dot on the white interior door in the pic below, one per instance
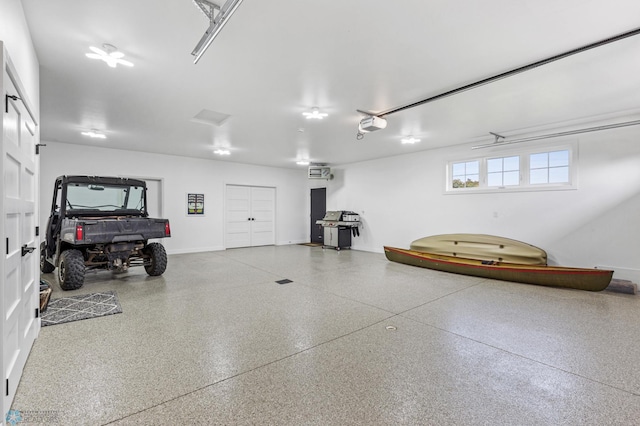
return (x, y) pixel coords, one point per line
(262, 220)
(19, 265)
(238, 224)
(250, 216)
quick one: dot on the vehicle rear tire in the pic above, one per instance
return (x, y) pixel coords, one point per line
(158, 258)
(71, 270)
(45, 266)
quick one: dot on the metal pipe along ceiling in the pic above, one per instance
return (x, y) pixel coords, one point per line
(559, 134)
(511, 72)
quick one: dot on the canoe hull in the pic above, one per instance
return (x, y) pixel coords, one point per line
(481, 247)
(555, 276)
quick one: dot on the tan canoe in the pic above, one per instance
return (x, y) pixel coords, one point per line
(481, 247)
(556, 276)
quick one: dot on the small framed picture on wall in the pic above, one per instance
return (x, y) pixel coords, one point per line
(195, 204)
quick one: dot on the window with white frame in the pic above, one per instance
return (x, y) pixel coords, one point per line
(532, 169)
(503, 171)
(549, 167)
(466, 174)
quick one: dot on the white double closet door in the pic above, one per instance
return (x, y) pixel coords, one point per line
(250, 216)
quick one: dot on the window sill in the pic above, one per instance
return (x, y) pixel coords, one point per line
(498, 190)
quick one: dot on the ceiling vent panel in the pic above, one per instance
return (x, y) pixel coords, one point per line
(212, 118)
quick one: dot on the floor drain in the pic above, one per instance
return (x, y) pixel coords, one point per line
(391, 327)
(285, 281)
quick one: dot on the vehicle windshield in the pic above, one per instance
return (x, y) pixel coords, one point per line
(100, 198)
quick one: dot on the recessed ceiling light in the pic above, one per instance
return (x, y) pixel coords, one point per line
(222, 152)
(410, 140)
(315, 114)
(96, 134)
(110, 55)
(302, 163)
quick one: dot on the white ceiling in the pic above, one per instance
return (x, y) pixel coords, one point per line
(276, 59)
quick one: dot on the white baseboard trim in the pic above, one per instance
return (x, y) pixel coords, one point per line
(623, 273)
(368, 248)
(220, 248)
(195, 250)
(291, 242)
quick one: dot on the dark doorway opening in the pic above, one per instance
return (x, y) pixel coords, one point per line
(318, 209)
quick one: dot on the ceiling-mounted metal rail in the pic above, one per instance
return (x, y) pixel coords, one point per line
(557, 135)
(217, 22)
(511, 72)
(208, 8)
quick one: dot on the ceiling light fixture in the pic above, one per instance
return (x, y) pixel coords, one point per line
(315, 114)
(222, 152)
(95, 134)
(409, 140)
(110, 55)
(216, 22)
(302, 163)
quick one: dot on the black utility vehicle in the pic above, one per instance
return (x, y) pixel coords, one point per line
(101, 223)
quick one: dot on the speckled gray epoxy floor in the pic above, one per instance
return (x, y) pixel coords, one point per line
(216, 341)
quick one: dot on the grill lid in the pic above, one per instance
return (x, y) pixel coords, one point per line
(333, 215)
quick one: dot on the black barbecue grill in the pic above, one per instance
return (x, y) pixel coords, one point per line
(339, 226)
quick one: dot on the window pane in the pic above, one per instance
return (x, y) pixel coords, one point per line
(473, 167)
(472, 181)
(512, 163)
(458, 169)
(465, 175)
(559, 175)
(494, 179)
(538, 176)
(558, 158)
(107, 198)
(538, 161)
(512, 178)
(494, 165)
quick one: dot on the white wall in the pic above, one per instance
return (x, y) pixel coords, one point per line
(182, 175)
(402, 199)
(15, 35)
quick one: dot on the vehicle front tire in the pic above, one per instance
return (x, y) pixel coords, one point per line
(158, 258)
(45, 266)
(71, 270)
